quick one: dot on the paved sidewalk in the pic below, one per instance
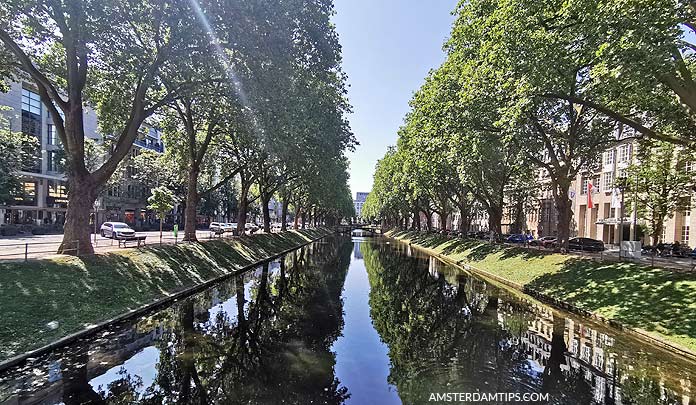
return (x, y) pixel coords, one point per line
(42, 246)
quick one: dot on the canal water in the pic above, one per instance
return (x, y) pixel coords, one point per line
(361, 321)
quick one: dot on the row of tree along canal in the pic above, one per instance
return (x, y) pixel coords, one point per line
(270, 335)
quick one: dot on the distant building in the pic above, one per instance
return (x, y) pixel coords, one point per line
(358, 203)
(44, 189)
(44, 197)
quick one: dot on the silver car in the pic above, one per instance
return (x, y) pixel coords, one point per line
(116, 230)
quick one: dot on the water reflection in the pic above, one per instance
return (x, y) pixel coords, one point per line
(362, 322)
(449, 332)
(262, 337)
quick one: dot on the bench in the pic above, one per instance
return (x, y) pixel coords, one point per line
(140, 239)
(217, 232)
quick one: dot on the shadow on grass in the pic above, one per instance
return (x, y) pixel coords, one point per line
(78, 291)
(654, 299)
(475, 249)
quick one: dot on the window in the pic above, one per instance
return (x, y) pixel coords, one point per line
(583, 188)
(608, 157)
(48, 112)
(608, 182)
(56, 189)
(689, 166)
(686, 204)
(627, 132)
(596, 185)
(586, 353)
(624, 153)
(598, 360)
(31, 102)
(685, 235)
(52, 161)
(28, 196)
(53, 138)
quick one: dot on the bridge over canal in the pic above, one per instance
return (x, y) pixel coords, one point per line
(372, 230)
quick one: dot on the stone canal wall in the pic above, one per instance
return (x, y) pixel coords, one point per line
(48, 303)
(653, 304)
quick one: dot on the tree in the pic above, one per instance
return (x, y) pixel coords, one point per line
(660, 183)
(506, 68)
(111, 54)
(162, 201)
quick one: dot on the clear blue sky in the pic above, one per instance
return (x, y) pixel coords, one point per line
(388, 48)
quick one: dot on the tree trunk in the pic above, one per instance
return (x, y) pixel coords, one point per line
(296, 221)
(266, 199)
(657, 232)
(304, 217)
(161, 221)
(495, 219)
(242, 209)
(429, 221)
(284, 224)
(565, 214)
(77, 230)
(191, 205)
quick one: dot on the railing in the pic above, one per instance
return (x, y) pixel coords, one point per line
(36, 250)
(25, 251)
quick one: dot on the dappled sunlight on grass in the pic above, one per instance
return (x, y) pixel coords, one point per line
(77, 291)
(658, 301)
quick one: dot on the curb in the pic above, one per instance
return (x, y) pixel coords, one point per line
(64, 341)
(564, 305)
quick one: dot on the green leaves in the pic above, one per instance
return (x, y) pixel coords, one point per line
(161, 200)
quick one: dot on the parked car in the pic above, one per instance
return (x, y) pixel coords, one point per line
(544, 241)
(228, 226)
(585, 244)
(518, 238)
(116, 230)
(215, 226)
(276, 227)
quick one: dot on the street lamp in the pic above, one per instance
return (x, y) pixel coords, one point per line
(97, 204)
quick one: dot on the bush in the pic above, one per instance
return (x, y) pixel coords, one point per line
(8, 230)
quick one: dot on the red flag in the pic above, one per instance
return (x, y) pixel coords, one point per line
(590, 188)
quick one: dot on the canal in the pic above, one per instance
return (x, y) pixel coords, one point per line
(357, 321)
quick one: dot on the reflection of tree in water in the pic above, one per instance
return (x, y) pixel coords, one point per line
(458, 336)
(435, 344)
(274, 348)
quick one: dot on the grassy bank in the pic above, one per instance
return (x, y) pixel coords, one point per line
(660, 302)
(72, 293)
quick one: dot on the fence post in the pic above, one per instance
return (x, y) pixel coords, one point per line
(26, 252)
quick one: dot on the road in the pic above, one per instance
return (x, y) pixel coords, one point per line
(41, 246)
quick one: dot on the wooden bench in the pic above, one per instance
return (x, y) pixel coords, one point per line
(140, 239)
